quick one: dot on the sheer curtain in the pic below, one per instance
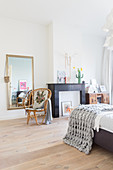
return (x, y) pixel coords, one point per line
(107, 72)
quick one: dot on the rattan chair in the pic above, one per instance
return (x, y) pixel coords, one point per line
(38, 96)
(24, 101)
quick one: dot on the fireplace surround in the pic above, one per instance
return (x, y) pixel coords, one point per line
(57, 87)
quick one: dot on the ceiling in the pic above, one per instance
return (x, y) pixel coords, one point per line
(74, 12)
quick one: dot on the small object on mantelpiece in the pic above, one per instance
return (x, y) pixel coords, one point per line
(65, 79)
(61, 76)
(79, 76)
(83, 82)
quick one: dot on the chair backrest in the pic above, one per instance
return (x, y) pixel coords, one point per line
(28, 96)
(40, 95)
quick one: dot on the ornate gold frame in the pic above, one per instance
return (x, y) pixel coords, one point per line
(18, 56)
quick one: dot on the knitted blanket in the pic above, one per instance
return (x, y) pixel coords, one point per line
(80, 129)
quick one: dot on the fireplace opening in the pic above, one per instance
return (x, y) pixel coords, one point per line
(67, 101)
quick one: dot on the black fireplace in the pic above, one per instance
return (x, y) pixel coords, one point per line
(57, 87)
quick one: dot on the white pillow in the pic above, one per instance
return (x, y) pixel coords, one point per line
(39, 99)
(22, 94)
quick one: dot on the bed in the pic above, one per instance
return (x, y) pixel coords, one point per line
(104, 137)
(88, 124)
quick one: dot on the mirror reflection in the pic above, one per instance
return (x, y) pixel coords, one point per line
(20, 72)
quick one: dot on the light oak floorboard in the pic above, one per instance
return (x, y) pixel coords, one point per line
(34, 147)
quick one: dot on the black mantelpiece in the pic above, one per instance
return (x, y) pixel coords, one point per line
(57, 87)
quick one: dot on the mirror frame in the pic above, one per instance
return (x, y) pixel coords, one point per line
(7, 62)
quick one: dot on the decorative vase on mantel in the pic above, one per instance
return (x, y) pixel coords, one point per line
(79, 75)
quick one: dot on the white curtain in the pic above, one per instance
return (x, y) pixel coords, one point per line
(107, 72)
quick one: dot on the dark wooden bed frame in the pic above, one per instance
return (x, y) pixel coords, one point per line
(104, 139)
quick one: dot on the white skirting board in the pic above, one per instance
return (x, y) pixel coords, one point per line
(12, 114)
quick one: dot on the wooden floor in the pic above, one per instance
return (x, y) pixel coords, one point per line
(32, 147)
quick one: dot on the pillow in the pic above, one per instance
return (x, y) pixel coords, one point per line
(22, 94)
(39, 99)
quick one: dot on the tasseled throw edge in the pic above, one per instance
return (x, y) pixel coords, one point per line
(85, 150)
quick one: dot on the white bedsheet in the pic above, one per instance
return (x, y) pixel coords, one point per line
(104, 121)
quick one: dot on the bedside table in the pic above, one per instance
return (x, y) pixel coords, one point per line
(94, 98)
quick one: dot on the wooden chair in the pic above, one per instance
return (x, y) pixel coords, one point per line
(24, 100)
(39, 96)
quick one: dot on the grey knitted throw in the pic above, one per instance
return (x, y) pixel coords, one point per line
(80, 129)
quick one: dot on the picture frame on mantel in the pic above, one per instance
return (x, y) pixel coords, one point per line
(102, 88)
(61, 75)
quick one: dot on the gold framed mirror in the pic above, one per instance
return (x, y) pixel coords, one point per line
(20, 71)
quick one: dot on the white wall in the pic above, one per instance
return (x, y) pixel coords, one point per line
(22, 38)
(50, 52)
(84, 46)
(48, 46)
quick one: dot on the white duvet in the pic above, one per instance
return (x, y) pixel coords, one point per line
(104, 121)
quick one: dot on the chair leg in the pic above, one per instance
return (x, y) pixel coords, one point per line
(35, 117)
(28, 117)
(43, 119)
